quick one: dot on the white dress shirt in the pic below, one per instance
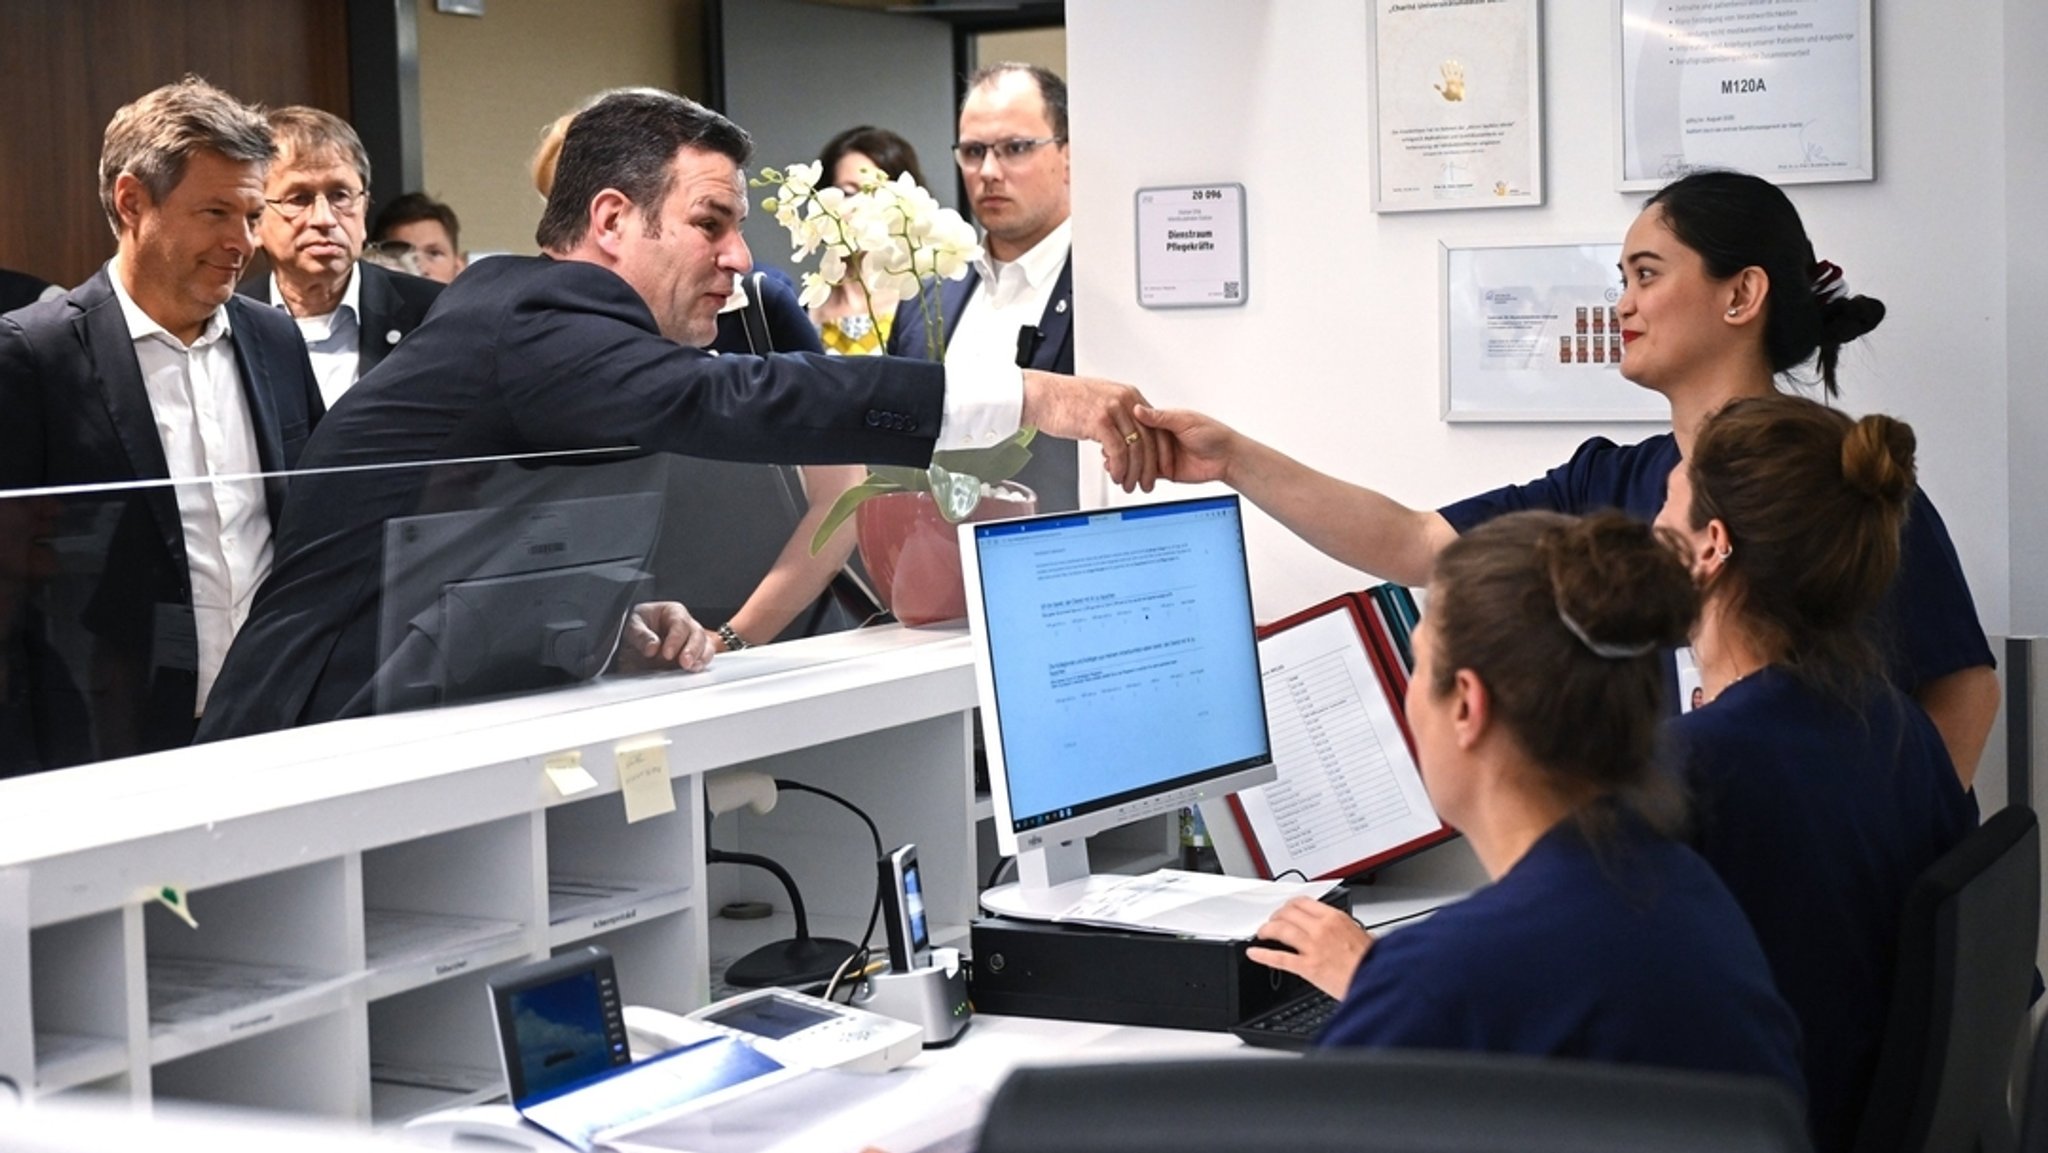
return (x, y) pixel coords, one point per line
(202, 418)
(983, 348)
(334, 340)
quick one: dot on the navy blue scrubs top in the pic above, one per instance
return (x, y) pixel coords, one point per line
(1634, 953)
(1819, 814)
(1927, 627)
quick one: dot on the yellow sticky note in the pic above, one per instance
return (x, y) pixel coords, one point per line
(566, 772)
(173, 898)
(643, 778)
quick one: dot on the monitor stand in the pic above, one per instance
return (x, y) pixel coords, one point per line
(1050, 880)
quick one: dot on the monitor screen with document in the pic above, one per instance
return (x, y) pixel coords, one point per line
(1118, 668)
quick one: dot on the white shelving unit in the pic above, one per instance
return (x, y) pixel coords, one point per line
(355, 884)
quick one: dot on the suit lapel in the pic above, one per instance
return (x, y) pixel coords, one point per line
(257, 368)
(377, 320)
(1058, 321)
(104, 331)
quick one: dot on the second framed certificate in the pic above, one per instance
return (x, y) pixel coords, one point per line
(1457, 105)
(1531, 332)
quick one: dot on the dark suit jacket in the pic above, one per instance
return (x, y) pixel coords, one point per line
(19, 289)
(77, 413)
(1054, 471)
(393, 304)
(524, 355)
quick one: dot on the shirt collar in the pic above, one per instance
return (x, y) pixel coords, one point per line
(142, 326)
(1042, 261)
(351, 297)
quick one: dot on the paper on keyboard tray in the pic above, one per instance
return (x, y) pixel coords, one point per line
(1189, 904)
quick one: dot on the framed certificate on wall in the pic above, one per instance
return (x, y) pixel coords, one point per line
(1778, 88)
(1530, 333)
(1457, 105)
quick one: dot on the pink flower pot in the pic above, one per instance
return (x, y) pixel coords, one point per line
(914, 555)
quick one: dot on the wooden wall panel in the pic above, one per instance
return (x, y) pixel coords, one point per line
(67, 65)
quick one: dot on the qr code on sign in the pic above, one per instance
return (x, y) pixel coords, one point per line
(1231, 291)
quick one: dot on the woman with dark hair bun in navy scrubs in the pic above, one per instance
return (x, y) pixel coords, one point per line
(1721, 295)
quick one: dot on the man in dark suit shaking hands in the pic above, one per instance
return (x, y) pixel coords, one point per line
(351, 312)
(596, 344)
(153, 369)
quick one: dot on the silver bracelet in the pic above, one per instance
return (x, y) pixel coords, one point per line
(734, 642)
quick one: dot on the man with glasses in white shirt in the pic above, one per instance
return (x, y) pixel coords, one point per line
(153, 369)
(350, 312)
(1016, 306)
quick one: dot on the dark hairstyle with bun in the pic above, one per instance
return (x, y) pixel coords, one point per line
(1813, 503)
(1737, 221)
(1562, 618)
(890, 152)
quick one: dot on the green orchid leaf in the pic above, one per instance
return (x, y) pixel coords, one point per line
(994, 464)
(910, 478)
(850, 500)
(953, 480)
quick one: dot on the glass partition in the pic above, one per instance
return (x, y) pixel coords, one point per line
(488, 578)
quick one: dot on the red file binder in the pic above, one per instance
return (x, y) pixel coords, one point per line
(1349, 797)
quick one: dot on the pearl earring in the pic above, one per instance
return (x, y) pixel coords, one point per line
(1735, 312)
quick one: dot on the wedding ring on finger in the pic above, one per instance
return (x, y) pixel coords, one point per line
(1131, 437)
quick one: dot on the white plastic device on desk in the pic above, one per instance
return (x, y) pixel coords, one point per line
(794, 1028)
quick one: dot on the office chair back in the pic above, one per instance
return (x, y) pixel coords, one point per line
(1359, 1101)
(1959, 995)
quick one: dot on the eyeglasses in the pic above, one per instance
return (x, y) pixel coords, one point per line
(972, 152)
(344, 202)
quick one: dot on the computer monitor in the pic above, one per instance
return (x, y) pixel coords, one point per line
(1118, 669)
(509, 598)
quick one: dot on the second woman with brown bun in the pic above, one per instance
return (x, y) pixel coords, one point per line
(1534, 704)
(857, 157)
(1821, 791)
(793, 583)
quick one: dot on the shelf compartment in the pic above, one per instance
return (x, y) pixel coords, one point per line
(448, 904)
(433, 1047)
(583, 907)
(406, 950)
(270, 952)
(310, 1066)
(80, 1030)
(605, 874)
(68, 1060)
(644, 953)
(196, 1004)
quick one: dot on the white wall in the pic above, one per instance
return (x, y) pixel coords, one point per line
(1334, 357)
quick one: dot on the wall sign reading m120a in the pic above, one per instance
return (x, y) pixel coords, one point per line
(1191, 246)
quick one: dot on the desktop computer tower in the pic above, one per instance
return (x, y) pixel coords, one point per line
(1079, 973)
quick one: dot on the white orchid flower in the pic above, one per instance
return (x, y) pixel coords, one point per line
(817, 290)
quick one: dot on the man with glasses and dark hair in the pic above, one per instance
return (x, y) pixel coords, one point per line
(350, 311)
(154, 369)
(597, 344)
(1016, 306)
